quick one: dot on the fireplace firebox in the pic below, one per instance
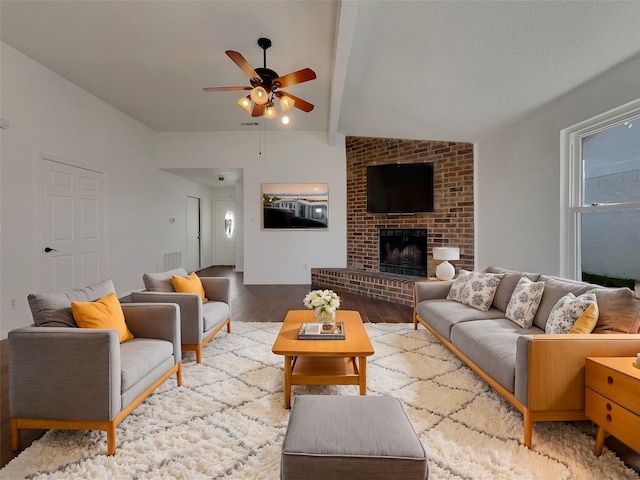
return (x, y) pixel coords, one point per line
(403, 251)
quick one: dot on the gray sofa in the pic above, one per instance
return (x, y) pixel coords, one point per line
(200, 322)
(540, 374)
(65, 377)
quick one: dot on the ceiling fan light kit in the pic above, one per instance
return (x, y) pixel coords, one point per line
(259, 95)
(245, 103)
(265, 87)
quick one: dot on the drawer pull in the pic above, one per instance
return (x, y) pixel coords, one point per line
(608, 418)
(608, 407)
(610, 380)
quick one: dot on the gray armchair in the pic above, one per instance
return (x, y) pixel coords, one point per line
(65, 377)
(200, 322)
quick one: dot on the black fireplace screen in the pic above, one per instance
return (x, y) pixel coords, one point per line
(403, 251)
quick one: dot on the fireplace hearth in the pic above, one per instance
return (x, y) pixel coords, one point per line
(403, 251)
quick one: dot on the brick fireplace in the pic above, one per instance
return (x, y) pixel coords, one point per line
(451, 223)
(403, 251)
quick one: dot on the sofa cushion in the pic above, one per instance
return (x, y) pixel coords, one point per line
(619, 311)
(587, 321)
(566, 312)
(508, 285)
(443, 314)
(103, 313)
(189, 284)
(455, 292)
(480, 290)
(554, 289)
(138, 357)
(54, 309)
(162, 281)
(491, 345)
(524, 302)
(214, 313)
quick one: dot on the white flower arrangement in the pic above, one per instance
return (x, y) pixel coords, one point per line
(324, 303)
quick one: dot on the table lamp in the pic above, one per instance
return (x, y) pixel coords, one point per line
(445, 270)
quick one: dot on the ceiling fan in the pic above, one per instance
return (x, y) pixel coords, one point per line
(265, 86)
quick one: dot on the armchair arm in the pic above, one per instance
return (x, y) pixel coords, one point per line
(64, 373)
(217, 289)
(553, 366)
(155, 320)
(430, 291)
(191, 315)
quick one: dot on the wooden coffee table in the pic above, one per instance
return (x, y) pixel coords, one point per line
(323, 362)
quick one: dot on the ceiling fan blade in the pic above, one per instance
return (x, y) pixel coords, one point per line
(224, 89)
(258, 110)
(239, 60)
(299, 103)
(300, 76)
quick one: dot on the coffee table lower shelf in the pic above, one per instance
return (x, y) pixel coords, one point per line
(312, 370)
(325, 371)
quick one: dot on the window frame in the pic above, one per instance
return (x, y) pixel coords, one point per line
(571, 183)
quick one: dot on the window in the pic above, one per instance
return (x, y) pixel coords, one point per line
(601, 204)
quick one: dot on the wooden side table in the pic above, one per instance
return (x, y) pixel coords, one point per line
(612, 399)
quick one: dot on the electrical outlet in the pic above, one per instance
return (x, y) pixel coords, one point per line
(13, 303)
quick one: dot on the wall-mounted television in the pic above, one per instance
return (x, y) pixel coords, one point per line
(400, 188)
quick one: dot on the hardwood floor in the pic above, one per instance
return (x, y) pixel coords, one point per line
(270, 303)
(260, 303)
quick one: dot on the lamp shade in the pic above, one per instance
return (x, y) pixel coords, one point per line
(259, 95)
(446, 253)
(286, 103)
(270, 111)
(245, 103)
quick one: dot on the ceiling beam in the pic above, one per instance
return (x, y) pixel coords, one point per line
(345, 26)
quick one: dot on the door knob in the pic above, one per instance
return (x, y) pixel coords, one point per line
(49, 249)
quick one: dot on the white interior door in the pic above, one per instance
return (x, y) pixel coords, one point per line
(193, 234)
(73, 226)
(224, 231)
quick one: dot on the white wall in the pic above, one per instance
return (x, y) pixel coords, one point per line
(48, 114)
(518, 175)
(273, 257)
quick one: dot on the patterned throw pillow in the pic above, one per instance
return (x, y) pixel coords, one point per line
(480, 289)
(524, 302)
(567, 311)
(587, 321)
(455, 293)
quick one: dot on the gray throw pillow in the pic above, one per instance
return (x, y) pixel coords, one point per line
(162, 281)
(54, 309)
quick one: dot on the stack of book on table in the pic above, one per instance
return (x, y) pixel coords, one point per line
(321, 331)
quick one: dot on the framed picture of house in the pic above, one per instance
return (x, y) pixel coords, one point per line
(295, 206)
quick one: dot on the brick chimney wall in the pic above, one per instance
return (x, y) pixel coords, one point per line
(451, 223)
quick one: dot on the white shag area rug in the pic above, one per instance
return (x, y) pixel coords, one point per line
(228, 420)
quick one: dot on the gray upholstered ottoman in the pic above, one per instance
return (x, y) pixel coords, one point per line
(332, 436)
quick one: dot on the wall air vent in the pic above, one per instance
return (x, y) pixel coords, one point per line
(249, 124)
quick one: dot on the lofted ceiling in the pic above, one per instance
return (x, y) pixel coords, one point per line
(433, 70)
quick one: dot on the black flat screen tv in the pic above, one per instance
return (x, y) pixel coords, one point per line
(400, 188)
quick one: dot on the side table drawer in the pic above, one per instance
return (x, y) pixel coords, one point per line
(613, 384)
(616, 420)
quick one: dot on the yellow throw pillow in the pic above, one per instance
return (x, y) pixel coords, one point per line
(104, 313)
(189, 284)
(587, 321)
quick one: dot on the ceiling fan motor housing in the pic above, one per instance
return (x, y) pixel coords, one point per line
(268, 76)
